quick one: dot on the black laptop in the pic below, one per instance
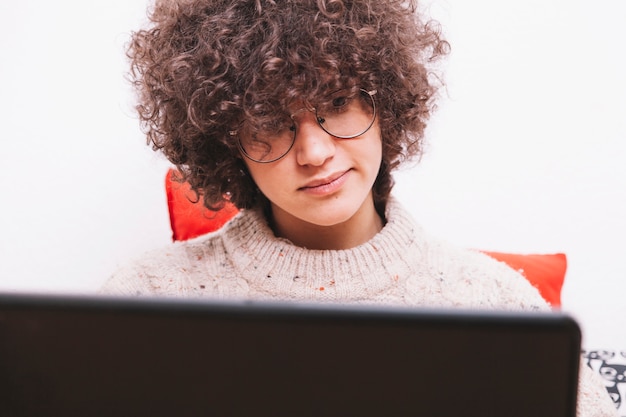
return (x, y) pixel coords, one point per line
(93, 356)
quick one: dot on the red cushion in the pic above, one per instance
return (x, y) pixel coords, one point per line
(546, 272)
(189, 220)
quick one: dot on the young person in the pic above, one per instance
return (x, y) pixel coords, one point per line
(297, 112)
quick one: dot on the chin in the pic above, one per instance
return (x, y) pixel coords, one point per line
(333, 220)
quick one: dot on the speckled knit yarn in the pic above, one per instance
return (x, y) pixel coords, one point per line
(400, 266)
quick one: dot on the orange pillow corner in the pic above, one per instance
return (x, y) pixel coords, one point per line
(546, 272)
(190, 218)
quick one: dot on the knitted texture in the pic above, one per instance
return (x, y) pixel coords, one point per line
(401, 266)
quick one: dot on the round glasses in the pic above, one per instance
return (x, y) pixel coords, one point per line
(343, 114)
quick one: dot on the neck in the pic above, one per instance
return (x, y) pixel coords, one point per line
(355, 231)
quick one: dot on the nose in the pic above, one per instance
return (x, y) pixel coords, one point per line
(313, 146)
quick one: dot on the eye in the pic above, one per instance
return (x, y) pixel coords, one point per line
(257, 143)
(276, 128)
(340, 101)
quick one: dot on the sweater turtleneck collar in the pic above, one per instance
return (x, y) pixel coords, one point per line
(276, 265)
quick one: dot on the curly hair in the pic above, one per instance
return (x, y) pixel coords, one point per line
(203, 66)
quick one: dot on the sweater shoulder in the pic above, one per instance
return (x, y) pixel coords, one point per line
(162, 271)
(473, 279)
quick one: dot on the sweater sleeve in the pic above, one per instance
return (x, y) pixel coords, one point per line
(593, 398)
(161, 272)
(129, 280)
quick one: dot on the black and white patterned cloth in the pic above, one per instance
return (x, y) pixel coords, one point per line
(611, 365)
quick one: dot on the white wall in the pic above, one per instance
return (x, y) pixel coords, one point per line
(526, 153)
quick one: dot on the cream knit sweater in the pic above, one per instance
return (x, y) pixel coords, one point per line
(400, 266)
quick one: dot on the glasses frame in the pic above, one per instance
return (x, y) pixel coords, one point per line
(319, 121)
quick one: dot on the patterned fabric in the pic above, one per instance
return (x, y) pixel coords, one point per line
(611, 365)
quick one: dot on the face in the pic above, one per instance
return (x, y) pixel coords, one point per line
(323, 180)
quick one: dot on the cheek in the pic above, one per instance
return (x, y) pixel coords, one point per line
(257, 173)
(375, 140)
(268, 177)
(371, 152)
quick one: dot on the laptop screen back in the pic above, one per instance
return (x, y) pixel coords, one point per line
(104, 357)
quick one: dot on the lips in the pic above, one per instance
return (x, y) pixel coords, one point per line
(326, 185)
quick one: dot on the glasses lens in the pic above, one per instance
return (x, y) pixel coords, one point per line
(265, 145)
(346, 115)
